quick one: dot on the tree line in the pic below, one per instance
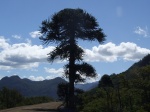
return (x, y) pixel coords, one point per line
(11, 98)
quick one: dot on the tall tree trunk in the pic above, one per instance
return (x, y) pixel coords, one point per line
(71, 86)
(71, 94)
(71, 73)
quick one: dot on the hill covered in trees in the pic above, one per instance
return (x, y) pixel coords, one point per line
(46, 88)
(128, 91)
(30, 88)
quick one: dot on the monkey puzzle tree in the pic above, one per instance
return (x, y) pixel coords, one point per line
(65, 28)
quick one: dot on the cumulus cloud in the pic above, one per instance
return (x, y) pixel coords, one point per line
(3, 43)
(22, 55)
(111, 52)
(54, 72)
(35, 34)
(38, 78)
(28, 56)
(141, 31)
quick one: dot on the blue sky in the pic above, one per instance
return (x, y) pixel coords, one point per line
(125, 22)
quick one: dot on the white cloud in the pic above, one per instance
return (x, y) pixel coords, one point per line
(91, 79)
(141, 31)
(41, 78)
(22, 55)
(52, 77)
(54, 72)
(3, 43)
(28, 56)
(111, 52)
(28, 41)
(16, 36)
(38, 78)
(35, 34)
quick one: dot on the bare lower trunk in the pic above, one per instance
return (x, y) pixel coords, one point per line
(71, 94)
(72, 72)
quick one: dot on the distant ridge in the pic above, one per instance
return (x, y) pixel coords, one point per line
(87, 86)
(132, 71)
(143, 62)
(30, 88)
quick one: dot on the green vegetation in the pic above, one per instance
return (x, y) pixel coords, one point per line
(62, 92)
(12, 98)
(125, 92)
(9, 98)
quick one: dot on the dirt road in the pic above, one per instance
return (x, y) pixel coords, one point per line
(44, 107)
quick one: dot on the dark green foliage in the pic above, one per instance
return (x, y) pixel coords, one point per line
(82, 70)
(63, 91)
(60, 27)
(121, 93)
(11, 98)
(105, 81)
(35, 100)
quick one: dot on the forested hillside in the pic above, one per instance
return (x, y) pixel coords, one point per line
(30, 88)
(128, 91)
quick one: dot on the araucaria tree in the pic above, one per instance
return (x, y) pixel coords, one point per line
(64, 29)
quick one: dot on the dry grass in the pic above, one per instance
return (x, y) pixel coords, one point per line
(44, 107)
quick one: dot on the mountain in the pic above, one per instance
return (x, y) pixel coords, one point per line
(30, 88)
(87, 86)
(132, 72)
(143, 62)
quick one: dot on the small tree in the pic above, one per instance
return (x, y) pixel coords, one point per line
(106, 84)
(62, 92)
(65, 28)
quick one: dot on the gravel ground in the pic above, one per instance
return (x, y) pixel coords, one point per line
(44, 107)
